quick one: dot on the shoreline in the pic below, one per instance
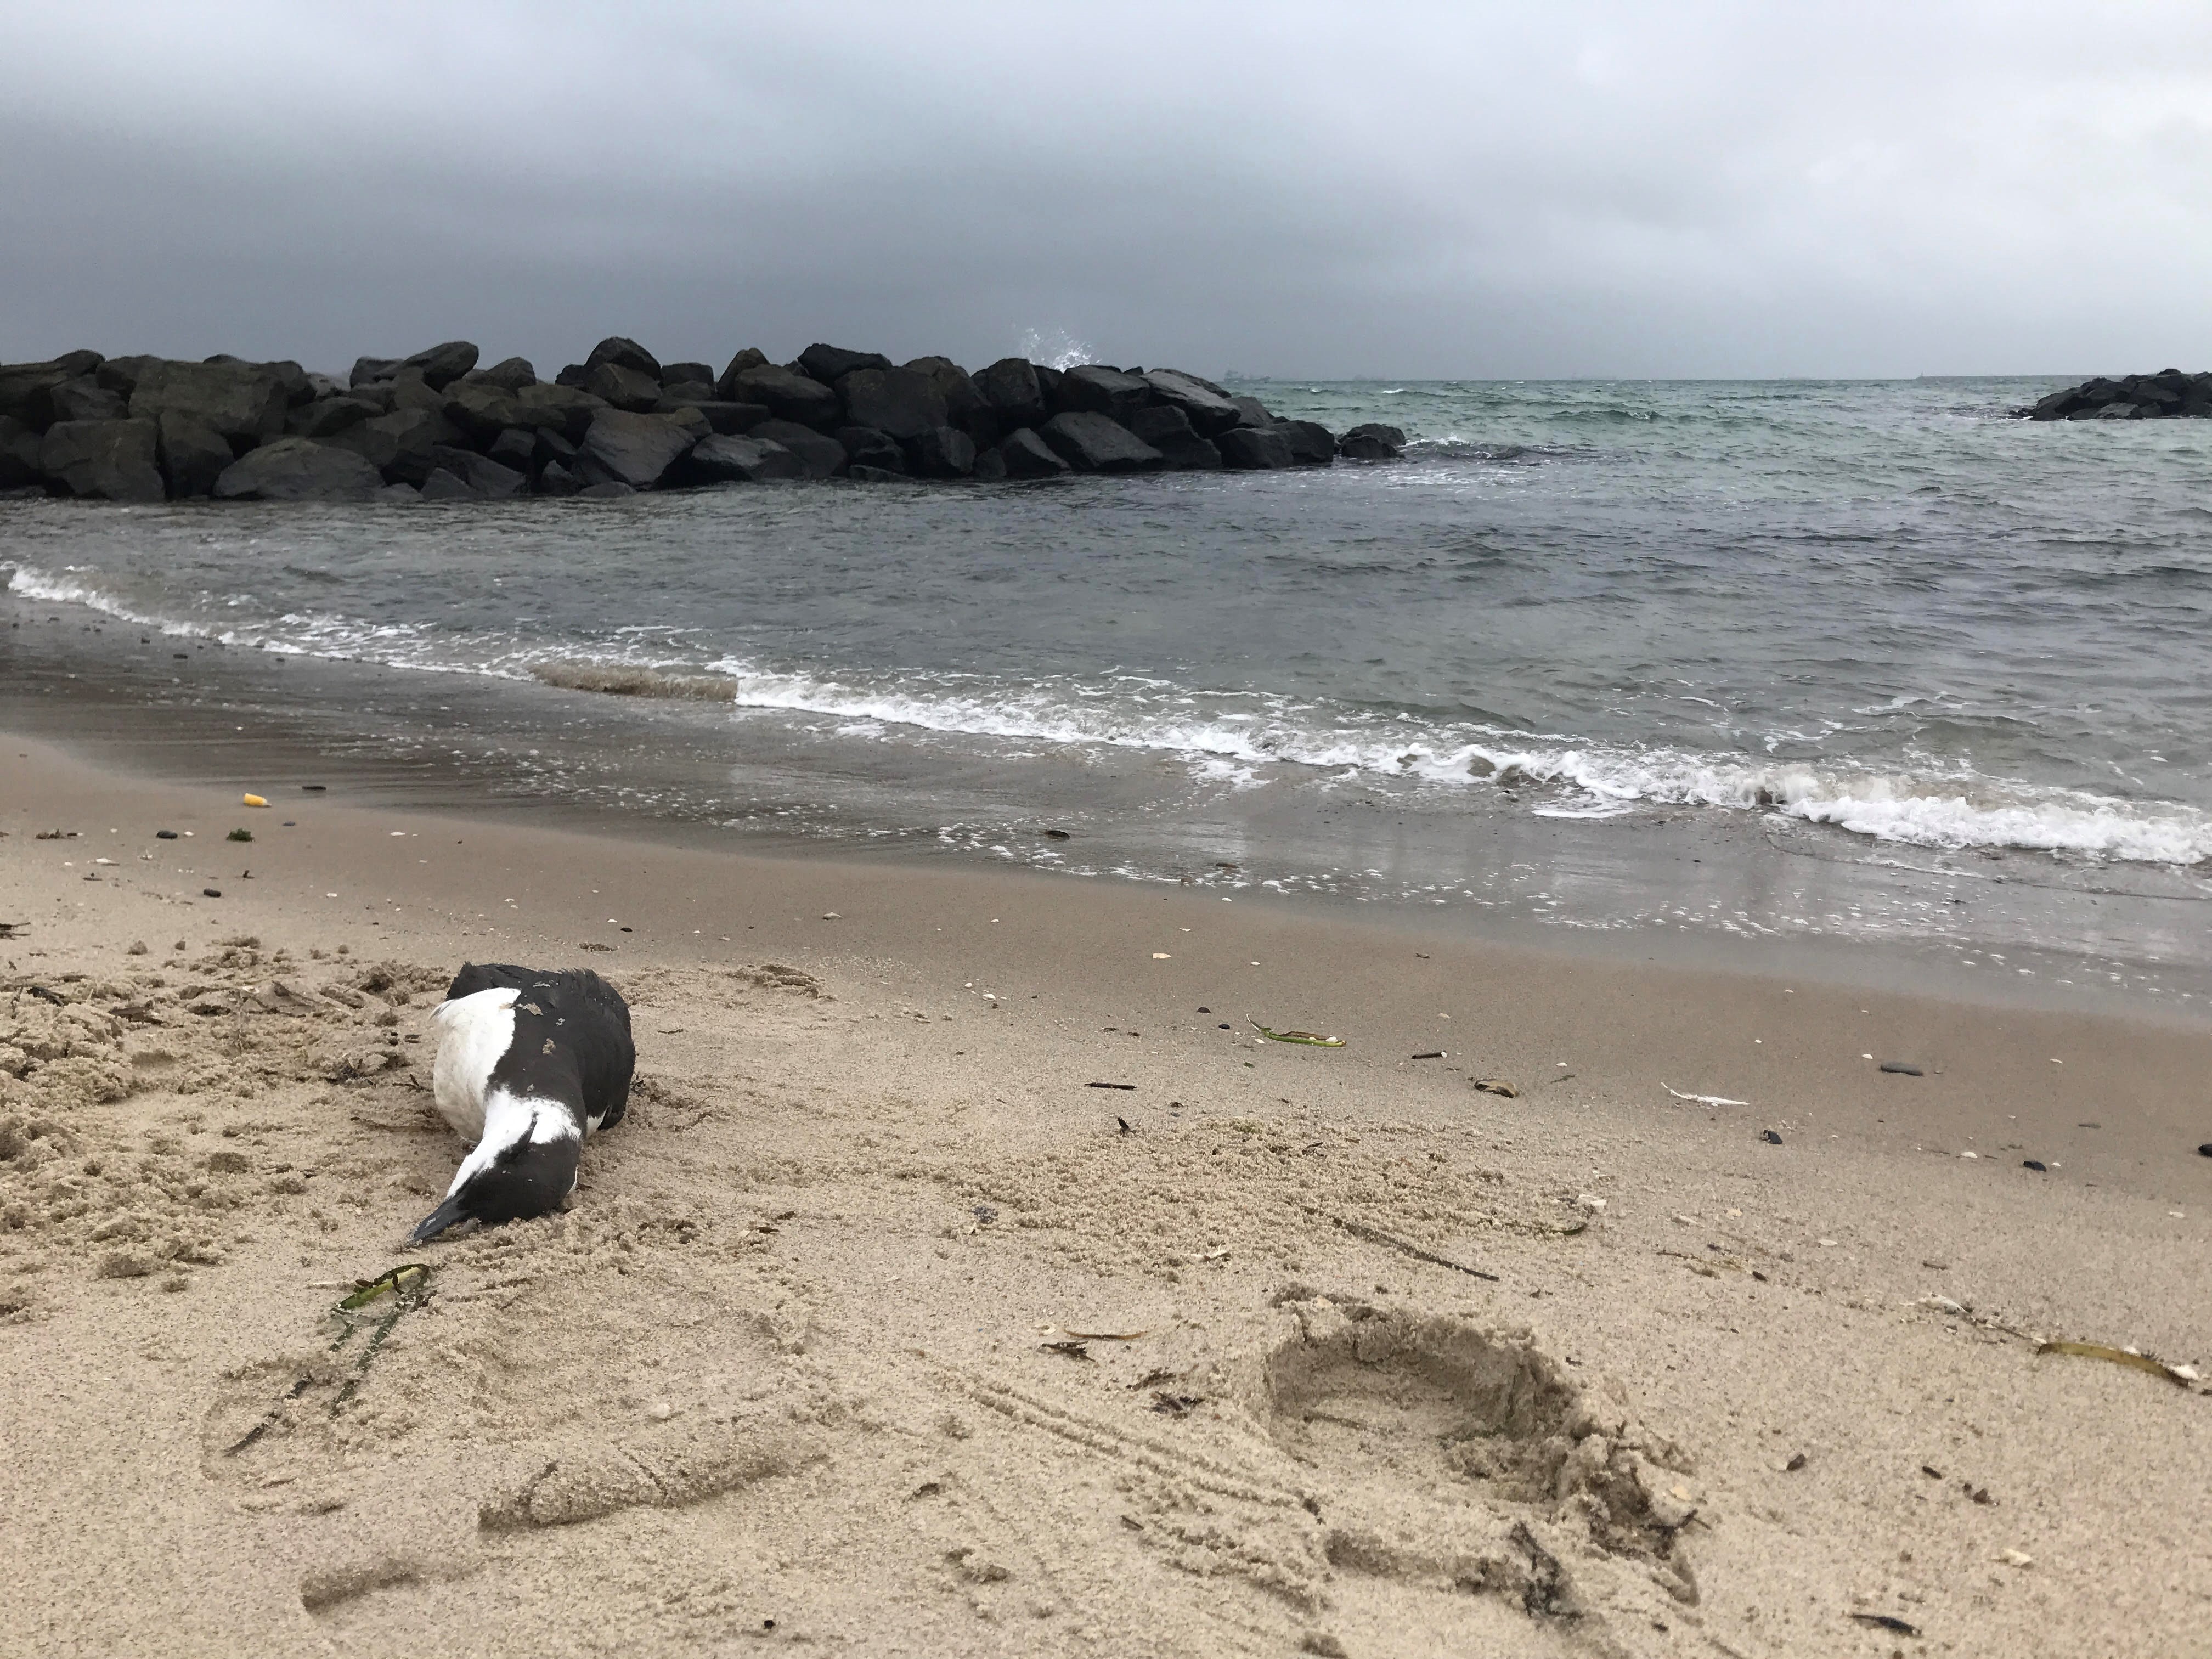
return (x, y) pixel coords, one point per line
(810, 1285)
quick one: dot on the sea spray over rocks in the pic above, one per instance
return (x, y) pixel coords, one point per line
(435, 427)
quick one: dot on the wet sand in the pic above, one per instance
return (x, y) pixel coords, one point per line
(876, 1323)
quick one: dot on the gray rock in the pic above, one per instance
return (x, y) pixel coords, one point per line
(903, 402)
(1169, 430)
(673, 374)
(110, 460)
(691, 421)
(725, 382)
(1049, 379)
(1372, 441)
(991, 464)
(400, 493)
(730, 418)
(403, 446)
(789, 397)
(191, 456)
(410, 390)
(1094, 389)
(622, 386)
(943, 452)
(367, 370)
(552, 447)
(965, 406)
(724, 459)
(831, 364)
(377, 394)
(27, 389)
(299, 470)
(511, 374)
(85, 400)
(863, 474)
(555, 479)
(298, 386)
(442, 365)
(571, 374)
(482, 410)
(328, 416)
(19, 454)
(516, 448)
(1091, 442)
(1253, 412)
(120, 375)
(1311, 443)
(1011, 387)
(246, 403)
(822, 457)
(865, 445)
(607, 489)
(323, 384)
(444, 486)
(564, 408)
(1254, 448)
(638, 450)
(1204, 403)
(1025, 455)
(625, 354)
(487, 479)
(675, 393)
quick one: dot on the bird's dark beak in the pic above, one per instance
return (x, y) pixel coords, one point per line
(438, 1220)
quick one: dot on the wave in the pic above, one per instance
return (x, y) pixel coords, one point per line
(1251, 738)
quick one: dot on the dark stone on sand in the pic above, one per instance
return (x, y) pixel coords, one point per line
(822, 457)
(1169, 430)
(402, 444)
(789, 397)
(2034, 1164)
(831, 364)
(246, 403)
(1011, 387)
(1092, 442)
(943, 452)
(1204, 403)
(510, 374)
(26, 389)
(725, 382)
(637, 450)
(299, 470)
(867, 445)
(1025, 455)
(1372, 441)
(191, 456)
(721, 458)
(328, 416)
(109, 460)
(516, 448)
(624, 353)
(901, 402)
(441, 365)
(19, 454)
(85, 400)
(622, 386)
(1770, 1137)
(2205, 1151)
(1254, 448)
(1094, 389)
(1311, 443)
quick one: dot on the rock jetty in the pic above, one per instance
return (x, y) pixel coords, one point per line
(435, 427)
(2137, 397)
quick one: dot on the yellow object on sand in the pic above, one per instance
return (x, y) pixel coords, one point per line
(255, 800)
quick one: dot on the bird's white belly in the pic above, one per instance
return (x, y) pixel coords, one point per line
(473, 1033)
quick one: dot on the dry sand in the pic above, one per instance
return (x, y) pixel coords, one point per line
(873, 1329)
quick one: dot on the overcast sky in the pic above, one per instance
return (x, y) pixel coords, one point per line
(1461, 190)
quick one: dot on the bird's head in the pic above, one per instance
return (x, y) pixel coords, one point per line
(523, 1177)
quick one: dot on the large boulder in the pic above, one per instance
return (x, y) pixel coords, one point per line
(729, 417)
(789, 396)
(403, 446)
(624, 354)
(1254, 448)
(903, 401)
(675, 393)
(442, 365)
(110, 460)
(85, 400)
(1169, 430)
(481, 409)
(725, 382)
(822, 457)
(831, 364)
(19, 454)
(488, 480)
(1206, 404)
(299, 385)
(509, 373)
(516, 448)
(27, 389)
(299, 470)
(567, 409)
(676, 374)
(1090, 442)
(1371, 442)
(192, 456)
(726, 459)
(1252, 412)
(965, 406)
(1025, 455)
(943, 452)
(120, 375)
(327, 416)
(366, 370)
(246, 403)
(1096, 389)
(1011, 387)
(638, 450)
(866, 446)
(622, 386)
(1311, 443)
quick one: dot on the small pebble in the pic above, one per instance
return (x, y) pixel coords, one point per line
(660, 1410)
(2035, 1163)
(1770, 1137)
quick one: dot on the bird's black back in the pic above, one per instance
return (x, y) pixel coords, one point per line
(571, 1038)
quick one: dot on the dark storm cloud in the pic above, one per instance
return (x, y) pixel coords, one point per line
(1446, 190)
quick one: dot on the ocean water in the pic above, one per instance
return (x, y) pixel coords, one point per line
(1877, 625)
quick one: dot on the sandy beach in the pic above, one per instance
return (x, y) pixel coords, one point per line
(879, 1327)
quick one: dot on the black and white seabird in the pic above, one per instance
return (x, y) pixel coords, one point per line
(530, 1062)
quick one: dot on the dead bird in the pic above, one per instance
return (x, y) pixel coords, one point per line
(530, 1062)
